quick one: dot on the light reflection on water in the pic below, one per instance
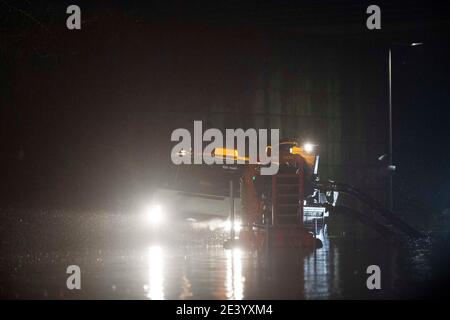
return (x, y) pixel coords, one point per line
(333, 271)
(234, 280)
(186, 292)
(155, 285)
(321, 270)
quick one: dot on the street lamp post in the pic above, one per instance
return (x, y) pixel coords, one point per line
(391, 166)
(391, 161)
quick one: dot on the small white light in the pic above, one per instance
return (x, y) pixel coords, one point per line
(308, 147)
(392, 168)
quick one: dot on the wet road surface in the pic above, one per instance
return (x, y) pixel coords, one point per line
(122, 258)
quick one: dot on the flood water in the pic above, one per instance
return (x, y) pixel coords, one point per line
(121, 258)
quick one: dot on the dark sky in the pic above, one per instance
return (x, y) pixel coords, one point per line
(75, 120)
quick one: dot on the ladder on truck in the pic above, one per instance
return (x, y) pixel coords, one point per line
(287, 199)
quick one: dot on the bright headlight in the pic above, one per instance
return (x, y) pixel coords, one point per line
(154, 214)
(308, 147)
(237, 225)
